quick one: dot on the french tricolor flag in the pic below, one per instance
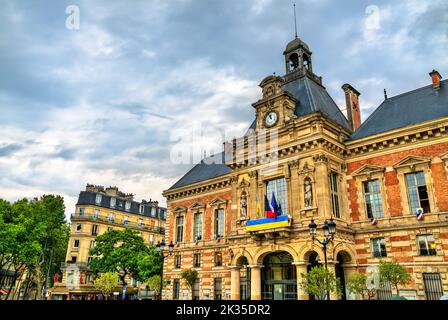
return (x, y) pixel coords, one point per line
(373, 220)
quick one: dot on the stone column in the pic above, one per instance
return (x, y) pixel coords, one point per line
(255, 282)
(322, 190)
(234, 204)
(332, 267)
(348, 271)
(235, 282)
(301, 267)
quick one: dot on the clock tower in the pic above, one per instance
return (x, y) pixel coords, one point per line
(276, 107)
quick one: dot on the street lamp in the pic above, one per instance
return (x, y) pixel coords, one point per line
(160, 246)
(329, 229)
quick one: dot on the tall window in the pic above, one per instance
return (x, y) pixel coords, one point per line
(98, 198)
(96, 214)
(179, 229)
(127, 206)
(417, 192)
(196, 260)
(94, 229)
(278, 187)
(334, 193)
(217, 286)
(76, 243)
(218, 259)
(176, 289)
(140, 222)
(198, 226)
(372, 196)
(110, 217)
(81, 211)
(126, 220)
(426, 245)
(219, 223)
(92, 244)
(379, 248)
(78, 227)
(113, 202)
(433, 286)
(177, 261)
(196, 290)
(151, 239)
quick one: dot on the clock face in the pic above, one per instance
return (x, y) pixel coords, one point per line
(271, 119)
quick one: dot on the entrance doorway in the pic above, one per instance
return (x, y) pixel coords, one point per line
(313, 261)
(279, 280)
(339, 272)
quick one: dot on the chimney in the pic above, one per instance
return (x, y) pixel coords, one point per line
(436, 78)
(353, 109)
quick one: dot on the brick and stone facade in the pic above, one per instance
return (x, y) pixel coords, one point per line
(315, 145)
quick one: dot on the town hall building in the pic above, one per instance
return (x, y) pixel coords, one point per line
(382, 182)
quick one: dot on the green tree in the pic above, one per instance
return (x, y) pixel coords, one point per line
(153, 284)
(106, 283)
(357, 283)
(33, 239)
(124, 252)
(393, 273)
(320, 281)
(190, 277)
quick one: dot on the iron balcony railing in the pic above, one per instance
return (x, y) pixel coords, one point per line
(116, 222)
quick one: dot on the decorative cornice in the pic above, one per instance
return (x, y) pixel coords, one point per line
(199, 189)
(367, 170)
(197, 206)
(395, 138)
(411, 162)
(218, 201)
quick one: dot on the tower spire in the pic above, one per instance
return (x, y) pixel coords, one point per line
(295, 19)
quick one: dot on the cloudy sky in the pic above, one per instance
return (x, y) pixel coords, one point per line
(110, 102)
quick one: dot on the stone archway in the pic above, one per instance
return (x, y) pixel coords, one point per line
(342, 259)
(278, 277)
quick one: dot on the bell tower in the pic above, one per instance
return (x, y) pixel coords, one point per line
(298, 61)
(297, 57)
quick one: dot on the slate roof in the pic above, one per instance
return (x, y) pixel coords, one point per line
(406, 109)
(208, 168)
(89, 198)
(312, 97)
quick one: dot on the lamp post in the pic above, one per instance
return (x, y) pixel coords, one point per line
(329, 229)
(160, 246)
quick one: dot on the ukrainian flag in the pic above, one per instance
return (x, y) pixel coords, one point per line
(267, 223)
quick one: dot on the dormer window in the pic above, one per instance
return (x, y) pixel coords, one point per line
(153, 211)
(99, 198)
(141, 208)
(127, 206)
(113, 202)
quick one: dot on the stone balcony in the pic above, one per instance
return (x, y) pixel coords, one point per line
(269, 228)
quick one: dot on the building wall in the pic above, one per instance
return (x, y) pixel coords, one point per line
(206, 204)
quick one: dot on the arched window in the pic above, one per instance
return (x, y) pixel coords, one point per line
(306, 62)
(293, 61)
